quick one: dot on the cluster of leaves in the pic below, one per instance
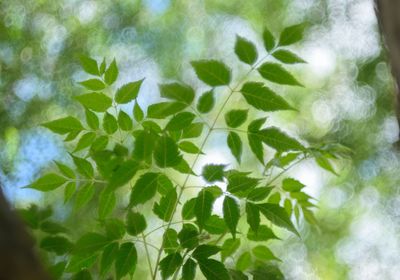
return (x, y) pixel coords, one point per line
(115, 150)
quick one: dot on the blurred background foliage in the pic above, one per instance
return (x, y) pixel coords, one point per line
(348, 99)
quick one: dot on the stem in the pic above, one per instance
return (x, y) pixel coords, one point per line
(147, 254)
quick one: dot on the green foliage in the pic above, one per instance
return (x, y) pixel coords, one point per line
(117, 154)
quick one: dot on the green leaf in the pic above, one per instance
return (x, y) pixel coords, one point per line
(89, 243)
(235, 145)
(276, 73)
(278, 140)
(122, 174)
(180, 121)
(69, 191)
(264, 253)
(115, 229)
(205, 251)
(213, 172)
(89, 65)
(82, 275)
(135, 223)
(235, 118)
(65, 170)
(255, 142)
(164, 109)
(212, 72)
(128, 92)
(100, 143)
(71, 136)
(324, 163)
(57, 270)
(170, 241)
(291, 35)
(164, 184)
(178, 92)
(259, 194)
(193, 131)
(237, 275)
(292, 185)
(188, 209)
(93, 84)
(47, 183)
(85, 141)
(215, 225)
(165, 209)
(64, 125)
(268, 39)
(184, 167)
(83, 166)
(189, 270)
(287, 57)
(245, 50)
(262, 98)
(57, 244)
(107, 201)
(84, 195)
(126, 260)
(110, 124)
(189, 147)
(138, 112)
(213, 270)
(144, 189)
(231, 214)
(253, 216)
(108, 257)
(91, 119)
(263, 233)
(240, 184)
(78, 263)
(96, 101)
(243, 262)
(206, 102)
(111, 74)
(124, 121)
(189, 236)
(170, 264)
(166, 152)
(267, 271)
(277, 215)
(203, 207)
(229, 247)
(52, 227)
(144, 143)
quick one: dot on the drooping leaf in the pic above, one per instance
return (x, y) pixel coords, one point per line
(189, 147)
(65, 170)
(262, 98)
(135, 223)
(292, 185)
(274, 72)
(264, 253)
(215, 225)
(267, 271)
(108, 257)
(111, 74)
(235, 145)
(85, 141)
(245, 50)
(144, 189)
(231, 214)
(69, 191)
(268, 39)
(57, 269)
(291, 35)
(277, 215)
(212, 72)
(206, 102)
(287, 57)
(164, 109)
(96, 101)
(102, 67)
(115, 229)
(213, 269)
(189, 270)
(57, 244)
(229, 247)
(279, 140)
(83, 166)
(263, 233)
(107, 201)
(91, 119)
(188, 236)
(170, 241)
(166, 152)
(110, 124)
(84, 195)
(237, 275)
(165, 209)
(244, 261)
(203, 207)
(205, 251)
(138, 112)
(126, 260)
(259, 194)
(122, 174)
(213, 172)
(253, 216)
(188, 209)
(180, 121)
(170, 264)
(90, 243)
(255, 142)
(124, 121)
(93, 84)
(178, 92)
(89, 65)
(144, 144)
(64, 125)
(48, 182)
(128, 92)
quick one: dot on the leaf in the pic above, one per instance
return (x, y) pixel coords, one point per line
(262, 98)
(292, 185)
(268, 39)
(240, 184)
(102, 67)
(126, 260)
(253, 216)
(203, 207)
(52, 227)
(69, 191)
(245, 50)
(263, 233)
(213, 270)
(135, 223)
(255, 142)
(65, 170)
(189, 147)
(170, 264)
(212, 72)
(100, 143)
(110, 124)
(267, 271)
(82, 275)
(189, 270)
(115, 229)
(166, 152)
(235, 118)
(231, 214)
(89, 65)
(215, 225)
(144, 189)
(47, 183)
(64, 125)
(164, 109)
(278, 140)
(89, 243)
(91, 119)
(57, 244)
(124, 121)
(237, 275)
(170, 241)
(188, 209)
(276, 73)
(277, 215)
(85, 141)
(259, 194)
(291, 35)
(287, 57)
(264, 253)
(122, 174)
(78, 263)
(96, 101)
(188, 236)
(193, 131)
(83, 166)
(206, 102)
(144, 143)
(235, 145)
(138, 112)
(57, 270)
(205, 251)
(108, 257)
(213, 172)
(128, 92)
(111, 74)
(243, 262)
(165, 209)
(93, 84)
(324, 163)
(164, 184)
(178, 92)
(229, 247)
(180, 121)
(107, 201)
